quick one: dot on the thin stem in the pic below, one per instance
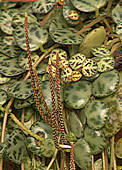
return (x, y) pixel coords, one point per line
(59, 108)
(42, 48)
(4, 127)
(103, 158)
(42, 96)
(108, 25)
(112, 154)
(93, 162)
(62, 160)
(23, 127)
(53, 159)
(108, 7)
(41, 58)
(54, 116)
(32, 73)
(97, 12)
(90, 25)
(72, 162)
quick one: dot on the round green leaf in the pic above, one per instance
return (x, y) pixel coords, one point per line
(4, 79)
(96, 113)
(70, 13)
(43, 6)
(95, 139)
(116, 13)
(37, 36)
(119, 30)
(100, 51)
(6, 20)
(20, 89)
(23, 59)
(20, 19)
(75, 95)
(65, 36)
(88, 5)
(3, 97)
(106, 84)
(16, 150)
(118, 148)
(82, 154)
(9, 66)
(39, 128)
(19, 103)
(75, 125)
(9, 47)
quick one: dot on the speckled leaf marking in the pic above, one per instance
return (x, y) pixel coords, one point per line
(96, 112)
(16, 150)
(100, 51)
(75, 95)
(66, 75)
(75, 125)
(106, 84)
(116, 13)
(105, 64)
(73, 15)
(47, 148)
(89, 68)
(20, 18)
(76, 61)
(37, 36)
(95, 139)
(19, 104)
(118, 148)
(20, 89)
(3, 97)
(66, 36)
(38, 128)
(9, 67)
(6, 20)
(88, 5)
(23, 59)
(4, 79)
(82, 154)
(64, 64)
(70, 13)
(76, 75)
(62, 55)
(119, 30)
(9, 48)
(43, 6)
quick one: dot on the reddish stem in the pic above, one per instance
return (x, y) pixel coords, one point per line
(72, 162)
(32, 73)
(59, 108)
(54, 116)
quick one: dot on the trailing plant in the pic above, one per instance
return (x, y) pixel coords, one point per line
(60, 85)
